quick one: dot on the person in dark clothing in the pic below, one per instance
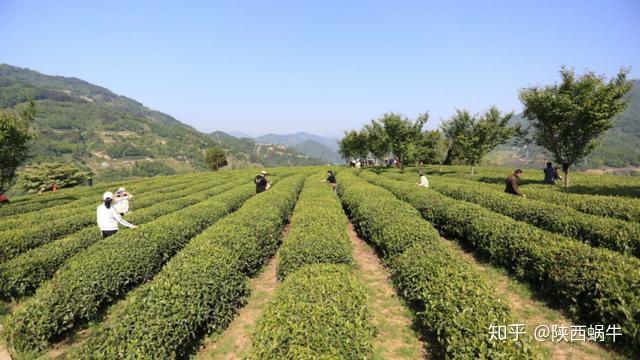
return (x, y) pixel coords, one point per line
(549, 174)
(331, 179)
(512, 183)
(261, 181)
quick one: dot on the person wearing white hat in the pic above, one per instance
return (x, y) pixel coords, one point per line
(108, 218)
(261, 181)
(121, 202)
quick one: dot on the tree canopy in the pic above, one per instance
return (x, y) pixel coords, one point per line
(14, 142)
(45, 175)
(482, 134)
(569, 118)
(353, 145)
(215, 158)
(376, 139)
(402, 132)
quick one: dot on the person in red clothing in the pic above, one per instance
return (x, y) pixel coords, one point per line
(4, 199)
(54, 188)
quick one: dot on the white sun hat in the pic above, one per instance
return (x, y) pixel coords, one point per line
(107, 195)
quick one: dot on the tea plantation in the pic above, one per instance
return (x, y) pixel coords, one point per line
(462, 257)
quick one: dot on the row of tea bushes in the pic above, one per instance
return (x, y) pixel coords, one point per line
(618, 207)
(454, 302)
(79, 194)
(597, 286)
(84, 205)
(199, 289)
(319, 310)
(318, 232)
(64, 222)
(107, 270)
(22, 275)
(614, 234)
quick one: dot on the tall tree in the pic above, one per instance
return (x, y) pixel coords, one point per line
(452, 129)
(353, 145)
(569, 118)
(14, 142)
(483, 134)
(425, 148)
(215, 158)
(376, 139)
(402, 133)
(441, 151)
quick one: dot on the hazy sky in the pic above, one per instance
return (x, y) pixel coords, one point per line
(318, 66)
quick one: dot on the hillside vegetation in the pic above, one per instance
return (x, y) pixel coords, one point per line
(107, 133)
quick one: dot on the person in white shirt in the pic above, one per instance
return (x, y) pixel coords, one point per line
(122, 201)
(423, 181)
(108, 217)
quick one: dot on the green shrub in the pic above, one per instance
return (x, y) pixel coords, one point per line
(66, 220)
(618, 207)
(201, 287)
(20, 276)
(84, 205)
(453, 301)
(318, 232)
(50, 202)
(318, 312)
(108, 269)
(597, 286)
(609, 233)
(45, 175)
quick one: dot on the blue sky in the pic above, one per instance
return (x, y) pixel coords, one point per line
(318, 66)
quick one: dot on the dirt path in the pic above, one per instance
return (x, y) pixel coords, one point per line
(396, 338)
(235, 341)
(5, 309)
(532, 312)
(4, 354)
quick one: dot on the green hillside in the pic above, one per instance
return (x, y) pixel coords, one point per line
(309, 144)
(246, 152)
(315, 149)
(113, 135)
(620, 146)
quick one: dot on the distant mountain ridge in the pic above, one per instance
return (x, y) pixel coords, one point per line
(310, 144)
(112, 134)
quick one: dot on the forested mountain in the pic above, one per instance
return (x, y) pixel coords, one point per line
(620, 145)
(315, 149)
(113, 135)
(310, 144)
(246, 151)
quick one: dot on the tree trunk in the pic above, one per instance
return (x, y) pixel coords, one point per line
(565, 170)
(448, 159)
(472, 169)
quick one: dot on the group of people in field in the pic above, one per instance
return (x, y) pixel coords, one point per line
(115, 206)
(551, 175)
(112, 211)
